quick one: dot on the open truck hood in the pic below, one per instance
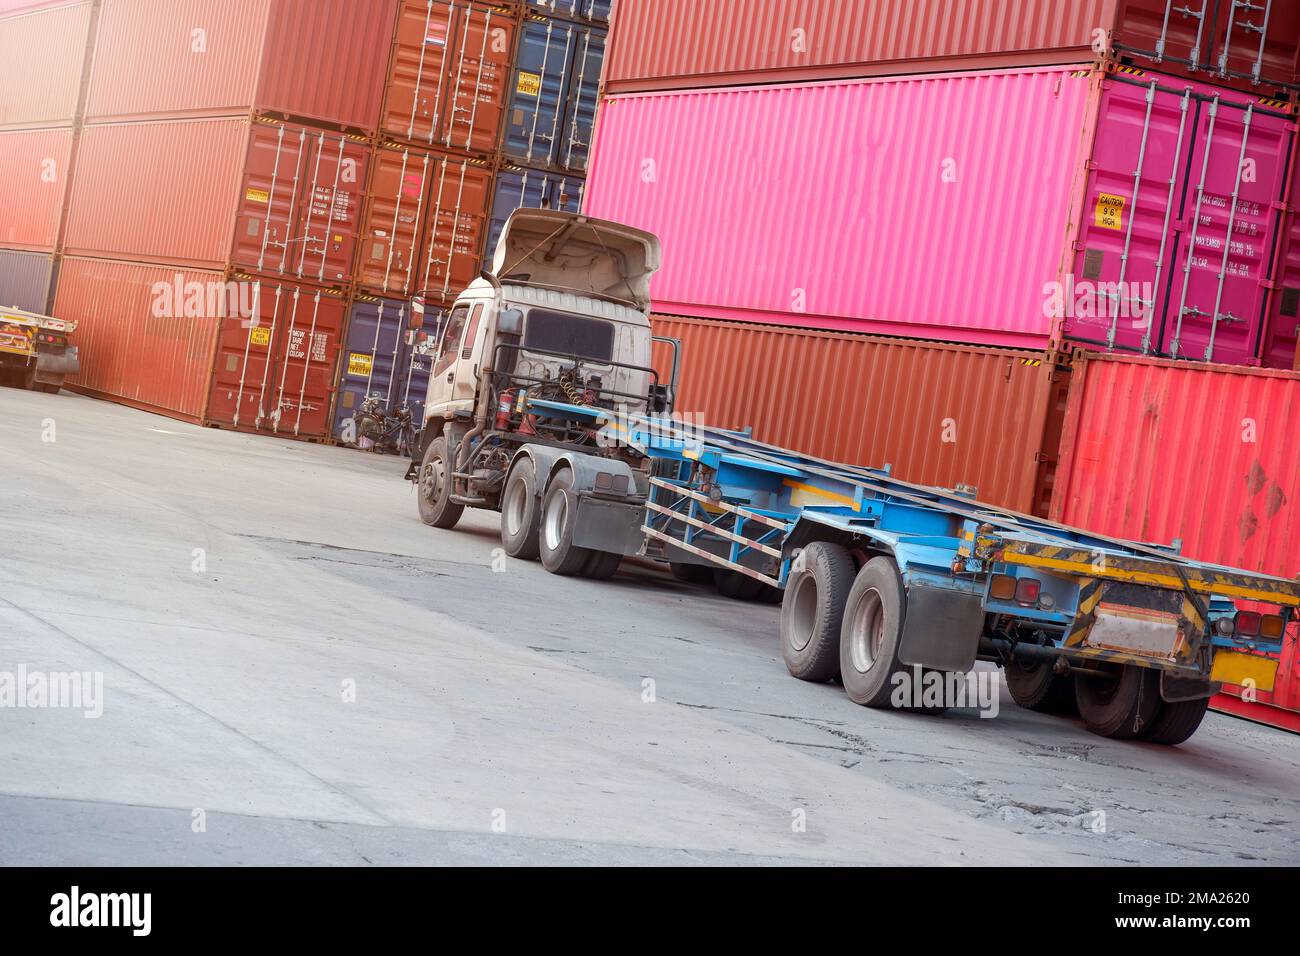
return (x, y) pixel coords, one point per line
(564, 250)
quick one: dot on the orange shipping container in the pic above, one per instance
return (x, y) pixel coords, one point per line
(42, 57)
(33, 181)
(456, 220)
(938, 414)
(317, 60)
(394, 218)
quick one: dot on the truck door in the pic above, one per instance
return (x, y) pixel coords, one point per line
(442, 376)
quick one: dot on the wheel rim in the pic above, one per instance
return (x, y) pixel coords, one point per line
(515, 500)
(803, 612)
(431, 480)
(867, 632)
(557, 510)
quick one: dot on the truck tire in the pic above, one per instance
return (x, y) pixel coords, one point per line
(1035, 686)
(434, 488)
(555, 529)
(1176, 721)
(602, 565)
(519, 512)
(1121, 706)
(812, 613)
(737, 586)
(691, 573)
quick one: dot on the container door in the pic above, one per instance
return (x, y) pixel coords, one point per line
(476, 85)
(374, 349)
(264, 231)
(330, 209)
(423, 51)
(302, 365)
(1257, 42)
(542, 81)
(580, 117)
(519, 188)
(241, 380)
(1237, 171)
(457, 218)
(1282, 333)
(395, 213)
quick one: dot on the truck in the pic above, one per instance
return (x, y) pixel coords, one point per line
(34, 350)
(545, 405)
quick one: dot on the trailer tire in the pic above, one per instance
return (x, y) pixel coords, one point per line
(1176, 721)
(520, 513)
(870, 632)
(1036, 686)
(555, 528)
(690, 573)
(434, 488)
(602, 565)
(737, 586)
(812, 612)
(1122, 707)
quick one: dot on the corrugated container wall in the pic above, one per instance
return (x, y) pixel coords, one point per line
(448, 75)
(26, 279)
(1159, 451)
(317, 60)
(939, 414)
(760, 221)
(41, 57)
(665, 44)
(33, 181)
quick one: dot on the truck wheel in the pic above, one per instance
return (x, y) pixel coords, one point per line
(869, 637)
(1122, 705)
(602, 565)
(519, 512)
(691, 573)
(812, 612)
(737, 586)
(555, 537)
(436, 506)
(1176, 721)
(1035, 686)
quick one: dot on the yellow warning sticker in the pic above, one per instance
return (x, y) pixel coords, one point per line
(359, 364)
(1110, 211)
(257, 195)
(529, 84)
(259, 335)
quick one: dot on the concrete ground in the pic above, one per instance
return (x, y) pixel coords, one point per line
(296, 670)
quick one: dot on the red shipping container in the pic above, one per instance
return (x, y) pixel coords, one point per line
(276, 374)
(317, 60)
(262, 196)
(938, 414)
(33, 182)
(42, 57)
(136, 347)
(394, 219)
(992, 208)
(667, 44)
(1160, 451)
(456, 221)
(448, 75)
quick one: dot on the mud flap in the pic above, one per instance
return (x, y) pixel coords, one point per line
(1175, 687)
(52, 367)
(612, 526)
(942, 629)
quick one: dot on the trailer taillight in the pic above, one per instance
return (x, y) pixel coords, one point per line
(1272, 626)
(1027, 590)
(1248, 623)
(1003, 587)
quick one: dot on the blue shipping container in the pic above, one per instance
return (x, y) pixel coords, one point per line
(27, 281)
(382, 359)
(531, 188)
(554, 96)
(597, 11)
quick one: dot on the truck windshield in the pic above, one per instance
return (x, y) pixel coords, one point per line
(569, 335)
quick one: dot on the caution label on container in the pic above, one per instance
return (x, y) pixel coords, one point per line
(528, 84)
(1110, 211)
(257, 195)
(359, 365)
(259, 335)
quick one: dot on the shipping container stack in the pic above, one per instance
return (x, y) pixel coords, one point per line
(1054, 255)
(487, 107)
(44, 50)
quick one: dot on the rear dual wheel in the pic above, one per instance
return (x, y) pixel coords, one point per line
(555, 543)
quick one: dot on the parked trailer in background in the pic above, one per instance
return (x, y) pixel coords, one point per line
(543, 405)
(35, 351)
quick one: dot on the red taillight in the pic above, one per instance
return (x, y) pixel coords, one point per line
(1027, 590)
(1247, 624)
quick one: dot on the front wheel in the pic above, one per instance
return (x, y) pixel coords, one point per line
(436, 507)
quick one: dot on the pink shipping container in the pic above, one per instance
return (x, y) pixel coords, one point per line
(42, 57)
(33, 181)
(266, 197)
(1160, 451)
(990, 208)
(1282, 337)
(317, 60)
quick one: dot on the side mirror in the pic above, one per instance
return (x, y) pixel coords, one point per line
(510, 322)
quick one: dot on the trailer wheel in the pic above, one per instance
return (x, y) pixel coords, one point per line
(812, 612)
(1121, 705)
(869, 636)
(602, 565)
(1176, 721)
(737, 586)
(519, 512)
(691, 573)
(555, 532)
(1036, 686)
(436, 506)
